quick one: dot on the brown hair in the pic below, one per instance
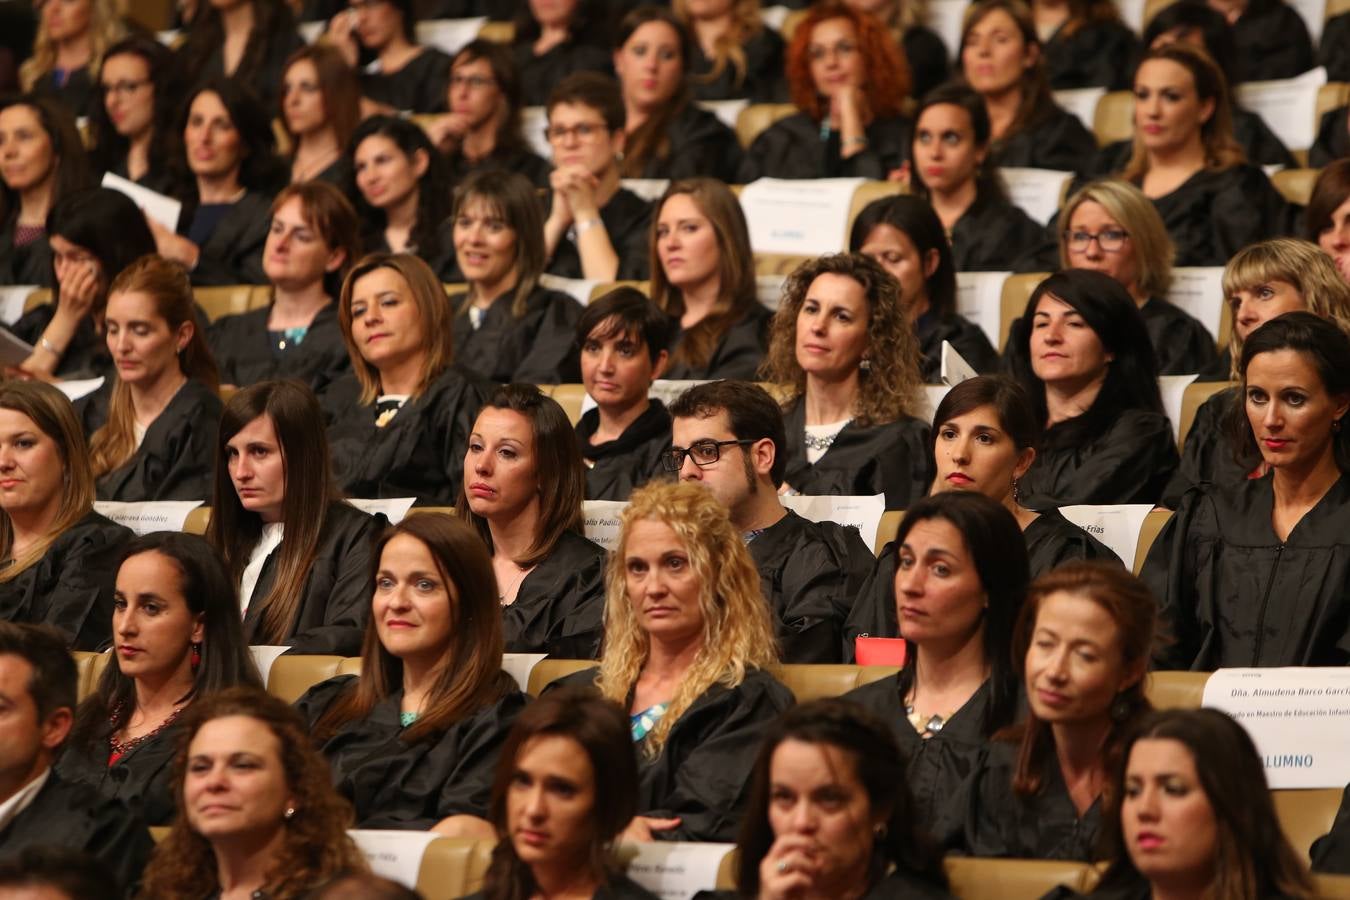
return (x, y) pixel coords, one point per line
(328, 211)
(1329, 192)
(511, 197)
(728, 47)
(1036, 101)
(650, 141)
(337, 83)
(887, 82)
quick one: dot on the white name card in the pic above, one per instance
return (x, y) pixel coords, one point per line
(13, 298)
(675, 871)
(979, 297)
(393, 508)
(944, 17)
(1036, 191)
(396, 855)
(76, 388)
(862, 512)
(954, 367)
(930, 395)
(264, 655)
(1299, 719)
(156, 206)
(769, 290)
(449, 35)
(1199, 291)
(1288, 105)
(533, 121)
(728, 111)
(1173, 390)
(1115, 526)
(520, 665)
(1082, 102)
(148, 516)
(649, 189)
(666, 390)
(799, 217)
(601, 519)
(579, 289)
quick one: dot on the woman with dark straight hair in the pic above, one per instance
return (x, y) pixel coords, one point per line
(175, 626)
(550, 578)
(413, 742)
(300, 555)
(131, 129)
(320, 108)
(401, 188)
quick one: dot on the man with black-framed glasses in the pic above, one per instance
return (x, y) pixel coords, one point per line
(726, 435)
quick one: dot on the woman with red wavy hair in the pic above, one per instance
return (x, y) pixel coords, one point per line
(849, 81)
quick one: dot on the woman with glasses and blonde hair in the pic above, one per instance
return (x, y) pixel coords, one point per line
(72, 38)
(1111, 227)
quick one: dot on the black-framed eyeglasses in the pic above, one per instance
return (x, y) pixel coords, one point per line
(1109, 239)
(704, 453)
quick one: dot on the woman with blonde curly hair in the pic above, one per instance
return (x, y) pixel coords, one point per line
(842, 345)
(688, 641)
(71, 39)
(256, 813)
(733, 53)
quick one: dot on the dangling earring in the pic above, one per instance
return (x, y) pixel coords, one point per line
(196, 656)
(1017, 491)
(864, 365)
(290, 811)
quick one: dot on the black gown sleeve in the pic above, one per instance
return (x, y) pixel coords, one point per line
(737, 355)
(243, 350)
(1216, 213)
(894, 458)
(927, 56)
(540, 74)
(1058, 140)
(176, 461)
(873, 610)
(86, 356)
(763, 80)
(538, 348)
(418, 87)
(1053, 540)
(1272, 42)
(1096, 54)
(29, 264)
(142, 778)
(994, 236)
(1331, 852)
(1182, 345)
(795, 147)
(1207, 456)
(627, 218)
(233, 252)
(966, 338)
(700, 144)
(559, 608)
(1260, 144)
(1333, 50)
(1333, 131)
(1128, 463)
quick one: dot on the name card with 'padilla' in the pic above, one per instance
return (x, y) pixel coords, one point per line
(1299, 719)
(601, 521)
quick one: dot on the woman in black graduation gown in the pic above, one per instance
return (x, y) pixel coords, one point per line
(841, 342)
(158, 442)
(413, 742)
(48, 163)
(1082, 353)
(1272, 39)
(1261, 281)
(734, 54)
(849, 83)
(59, 555)
(1002, 59)
(131, 130)
(622, 337)
(176, 634)
(311, 243)
(554, 40)
(667, 134)
(1088, 46)
(953, 171)
(508, 327)
(232, 173)
(69, 45)
(245, 41)
(1111, 227)
(960, 582)
(703, 274)
(398, 75)
(523, 487)
(399, 423)
(906, 237)
(863, 842)
(569, 737)
(320, 106)
(1256, 573)
(1331, 852)
(596, 228)
(1082, 647)
(300, 556)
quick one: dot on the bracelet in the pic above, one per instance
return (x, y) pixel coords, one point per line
(859, 141)
(582, 227)
(48, 346)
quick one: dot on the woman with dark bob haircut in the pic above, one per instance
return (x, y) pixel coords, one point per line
(1233, 547)
(1194, 779)
(1326, 221)
(958, 685)
(566, 786)
(864, 842)
(1082, 353)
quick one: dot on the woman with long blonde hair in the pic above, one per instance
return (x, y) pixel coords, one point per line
(72, 37)
(733, 54)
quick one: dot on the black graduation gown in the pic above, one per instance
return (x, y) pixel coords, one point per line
(508, 159)
(419, 453)
(763, 81)
(794, 148)
(928, 58)
(1055, 140)
(246, 354)
(1333, 133)
(86, 355)
(809, 573)
(1207, 456)
(74, 816)
(336, 599)
(700, 145)
(1219, 370)
(538, 348)
(939, 769)
(1230, 593)
(737, 355)
(411, 787)
(619, 887)
(142, 778)
(1215, 213)
(540, 74)
(1001, 823)
(419, 87)
(895, 886)
(617, 467)
(1272, 42)
(262, 78)
(77, 94)
(966, 338)
(627, 218)
(29, 264)
(1333, 49)
(177, 458)
(1180, 342)
(1096, 54)
(233, 252)
(1053, 540)
(703, 773)
(560, 606)
(71, 586)
(1331, 852)
(1127, 460)
(993, 235)
(893, 458)
(157, 176)
(1262, 146)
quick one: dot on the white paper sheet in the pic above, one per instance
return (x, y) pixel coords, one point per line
(954, 368)
(1173, 388)
(1288, 106)
(396, 855)
(649, 189)
(1299, 719)
(151, 515)
(1132, 14)
(449, 35)
(13, 298)
(862, 512)
(1314, 13)
(774, 16)
(944, 17)
(76, 388)
(769, 290)
(394, 508)
(1199, 291)
(1117, 526)
(929, 398)
(164, 210)
(1082, 102)
(601, 519)
(533, 121)
(979, 297)
(728, 111)
(799, 217)
(310, 31)
(520, 665)
(1036, 191)
(264, 655)
(675, 870)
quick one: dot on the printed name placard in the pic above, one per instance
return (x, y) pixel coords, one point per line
(1036, 191)
(1173, 389)
(1299, 719)
(601, 519)
(800, 217)
(13, 298)
(930, 395)
(396, 855)
(979, 298)
(76, 388)
(1115, 526)
(1082, 102)
(1288, 105)
(666, 390)
(310, 31)
(1132, 14)
(148, 516)
(264, 655)
(1199, 291)
(393, 508)
(954, 367)
(520, 665)
(675, 870)
(862, 512)
(449, 35)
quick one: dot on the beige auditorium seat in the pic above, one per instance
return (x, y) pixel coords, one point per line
(778, 263)
(291, 676)
(547, 671)
(39, 297)
(756, 119)
(498, 32)
(1191, 401)
(1113, 120)
(1333, 887)
(453, 867)
(1017, 290)
(432, 510)
(605, 287)
(350, 665)
(1175, 690)
(887, 529)
(973, 878)
(1296, 185)
(1306, 815)
(1148, 533)
(818, 681)
(230, 299)
(569, 397)
(867, 192)
(197, 520)
(89, 668)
